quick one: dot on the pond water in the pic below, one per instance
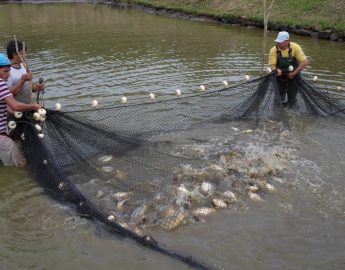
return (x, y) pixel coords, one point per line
(87, 52)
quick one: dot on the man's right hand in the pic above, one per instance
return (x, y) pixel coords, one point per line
(36, 107)
(27, 76)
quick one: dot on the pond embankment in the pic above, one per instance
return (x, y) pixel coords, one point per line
(323, 19)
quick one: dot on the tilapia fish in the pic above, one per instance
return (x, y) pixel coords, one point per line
(219, 203)
(105, 159)
(138, 213)
(118, 196)
(207, 188)
(173, 221)
(229, 195)
(166, 212)
(120, 175)
(203, 211)
(254, 196)
(107, 169)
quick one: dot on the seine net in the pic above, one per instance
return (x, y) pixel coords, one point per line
(134, 168)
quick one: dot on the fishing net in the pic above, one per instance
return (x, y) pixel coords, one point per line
(136, 167)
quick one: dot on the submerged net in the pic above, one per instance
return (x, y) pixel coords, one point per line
(136, 168)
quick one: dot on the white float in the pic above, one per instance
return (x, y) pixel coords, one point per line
(58, 107)
(123, 100)
(94, 103)
(12, 124)
(18, 115)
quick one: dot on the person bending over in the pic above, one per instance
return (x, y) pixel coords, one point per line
(288, 60)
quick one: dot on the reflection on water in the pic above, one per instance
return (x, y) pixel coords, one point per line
(86, 52)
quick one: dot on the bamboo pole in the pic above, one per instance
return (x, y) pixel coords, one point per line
(22, 57)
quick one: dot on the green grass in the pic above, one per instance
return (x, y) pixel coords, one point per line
(319, 14)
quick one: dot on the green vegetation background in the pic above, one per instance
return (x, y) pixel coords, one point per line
(317, 14)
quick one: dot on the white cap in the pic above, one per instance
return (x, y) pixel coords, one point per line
(282, 36)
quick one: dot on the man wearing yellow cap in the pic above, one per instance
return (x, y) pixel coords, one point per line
(288, 60)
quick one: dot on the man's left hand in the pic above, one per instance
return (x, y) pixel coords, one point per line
(292, 75)
(40, 87)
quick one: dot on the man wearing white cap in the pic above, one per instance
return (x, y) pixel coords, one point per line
(288, 59)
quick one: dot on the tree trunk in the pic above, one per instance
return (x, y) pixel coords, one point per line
(267, 12)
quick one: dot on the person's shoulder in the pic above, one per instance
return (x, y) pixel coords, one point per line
(4, 91)
(2, 82)
(295, 45)
(298, 52)
(3, 85)
(273, 49)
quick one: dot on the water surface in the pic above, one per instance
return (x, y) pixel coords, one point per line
(88, 52)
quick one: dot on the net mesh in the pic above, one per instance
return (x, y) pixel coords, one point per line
(136, 168)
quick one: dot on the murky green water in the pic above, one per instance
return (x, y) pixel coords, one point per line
(86, 52)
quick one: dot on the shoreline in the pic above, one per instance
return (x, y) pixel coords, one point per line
(312, 32)
(228, 19)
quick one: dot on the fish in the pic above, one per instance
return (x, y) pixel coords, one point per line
(166, 212)
(270, 187)
(137, 230)
(124, 225)
(203, 211)
(247, 131)
(252, 188)
(277, 179)
(120, 175)
(105, 159)
(206, 188)
(219, 203)
(183, 190)
(107, 169)
(100, 194)
(137, 215)
(173, 221)
(254, 196)
(229, 195)
(121, 195)
(94, 181)
(119, 204)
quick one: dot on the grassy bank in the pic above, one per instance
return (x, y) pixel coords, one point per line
(315, 14)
